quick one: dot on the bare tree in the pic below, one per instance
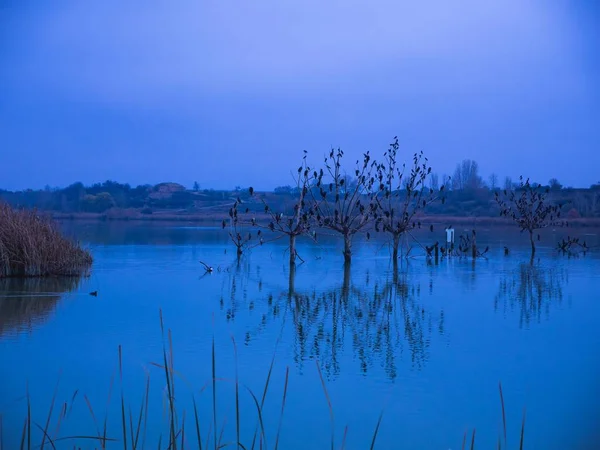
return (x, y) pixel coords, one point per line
(493, 181)
(237, 234)
(434, 182)
(341, 203)
(296, 222)
(508, 183)
(466, 176)
(401, 195)
(528, 208)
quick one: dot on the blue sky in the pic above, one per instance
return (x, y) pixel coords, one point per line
(230, 92)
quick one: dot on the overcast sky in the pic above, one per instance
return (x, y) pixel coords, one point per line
(230, 92)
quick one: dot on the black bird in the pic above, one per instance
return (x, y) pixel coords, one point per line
(94, 294)
(505, 251)
(208, 268)
(224, 224)
(431, 228)
(251, 190)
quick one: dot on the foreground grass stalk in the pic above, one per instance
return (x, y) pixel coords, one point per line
(376, 431)
(522, 431)
(214, 389)
(45, 430)
(170, 395)
(237, 396)
(503, 411)
(285, 386)
(197, 424)
(122, 400)
(328, 404)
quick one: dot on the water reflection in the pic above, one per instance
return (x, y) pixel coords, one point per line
(378, 318)
(532, 288)
(26, 303)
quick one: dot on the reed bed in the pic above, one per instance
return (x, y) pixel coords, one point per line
(132, 433)
(31, 245)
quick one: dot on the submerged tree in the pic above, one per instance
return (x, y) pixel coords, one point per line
(529, 208)
(342, 203)
(401, 195)
(240, 238)
(292, 223)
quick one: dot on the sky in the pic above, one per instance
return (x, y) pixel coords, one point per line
(231, 92)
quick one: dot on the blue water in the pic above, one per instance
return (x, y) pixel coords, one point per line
(427, 346)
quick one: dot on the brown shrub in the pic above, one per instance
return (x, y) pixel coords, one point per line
(31, 245)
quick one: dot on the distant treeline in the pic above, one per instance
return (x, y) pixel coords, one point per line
(466, 194)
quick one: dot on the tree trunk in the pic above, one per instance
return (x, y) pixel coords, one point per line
(292, 250)
(239, 251)
(292, 281)
(346, 285)
(532, 243)
(395, 245)
(347, 248)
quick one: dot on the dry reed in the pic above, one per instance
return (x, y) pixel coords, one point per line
(31, 245)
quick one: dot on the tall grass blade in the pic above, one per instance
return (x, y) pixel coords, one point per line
(45, 430)
(45, 436)
(183, 431)
(473, 440)
(208, 435)
(172, 438)
(522, 431)
(503, 411)
(237, 395)
(221, 433)
(89, 405)
(104, 431)
(23, 435)
(90, 438)
(197, 423)
(285, 386)
(214, 390)
(464, 444)
(141, 416)
(328, 404)
(61, 416)
(123, 417)
(260, 418)
(376, 430)
(28, 419)
(131, 433)
(266, 388)
(72, 403)
(343, 446)
(159, 442)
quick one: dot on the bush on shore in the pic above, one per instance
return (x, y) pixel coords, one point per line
(31, 245)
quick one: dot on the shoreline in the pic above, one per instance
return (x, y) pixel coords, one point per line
(212, 218)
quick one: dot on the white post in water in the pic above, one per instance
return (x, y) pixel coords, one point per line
(449, 239)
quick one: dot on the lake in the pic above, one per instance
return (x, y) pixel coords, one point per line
(427, 345)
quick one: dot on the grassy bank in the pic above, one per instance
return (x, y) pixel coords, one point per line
(183, 429)
(31, 245)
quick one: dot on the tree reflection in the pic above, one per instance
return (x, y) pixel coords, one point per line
(27, 302)
(532, 289)
(378, 319)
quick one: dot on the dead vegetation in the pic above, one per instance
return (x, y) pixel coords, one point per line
(31, 245)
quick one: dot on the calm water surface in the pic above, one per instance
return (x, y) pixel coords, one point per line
(428, 345)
